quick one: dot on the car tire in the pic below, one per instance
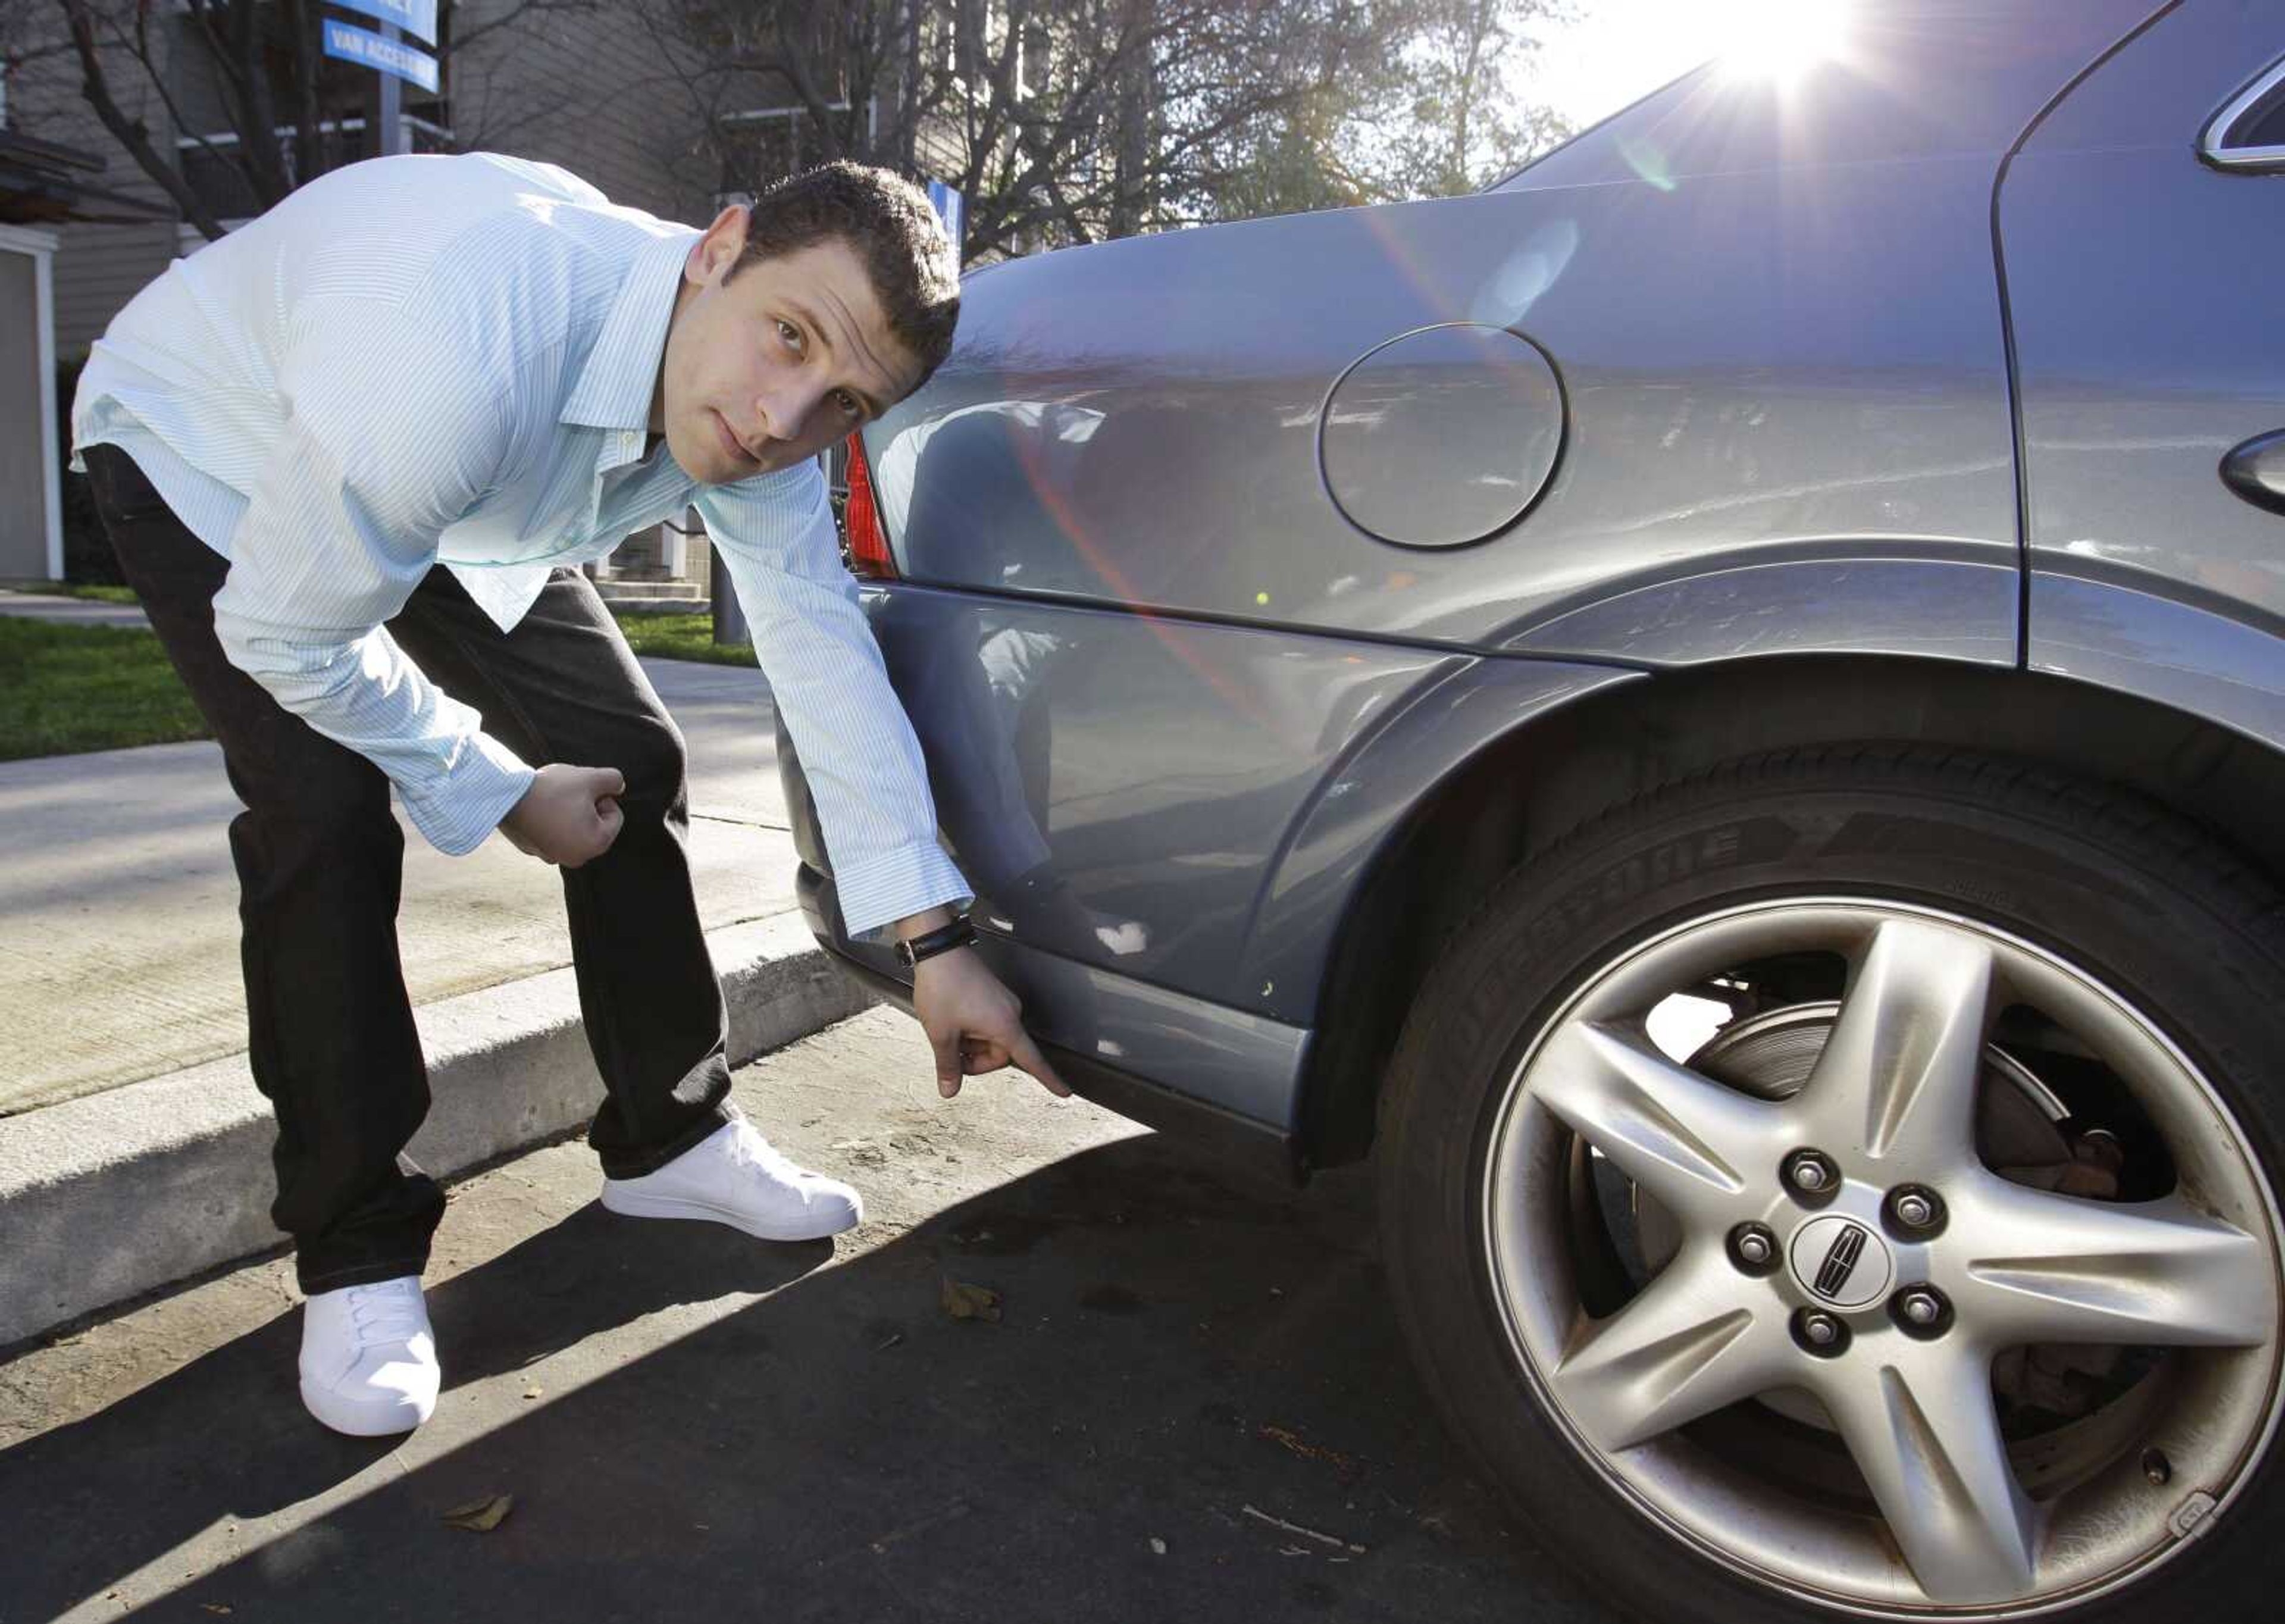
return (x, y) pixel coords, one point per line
(2130, 898)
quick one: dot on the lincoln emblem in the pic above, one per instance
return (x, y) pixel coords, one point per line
(1839, 1261)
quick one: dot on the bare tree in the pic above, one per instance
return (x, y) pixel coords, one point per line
(1058, 122)
(257, 66)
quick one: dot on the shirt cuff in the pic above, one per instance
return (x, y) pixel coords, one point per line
(895, 885)
(482, 786)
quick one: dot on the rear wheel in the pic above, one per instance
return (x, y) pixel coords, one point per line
(1844, 1184)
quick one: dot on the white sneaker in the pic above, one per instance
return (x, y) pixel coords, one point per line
(368, 1358)
(736, 1177)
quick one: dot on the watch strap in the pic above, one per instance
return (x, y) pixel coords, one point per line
(944, 939)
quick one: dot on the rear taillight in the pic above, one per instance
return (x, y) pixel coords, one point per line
(868, 543)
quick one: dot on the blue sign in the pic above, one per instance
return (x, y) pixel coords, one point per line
(344, 43)
(417, 18)
(951, 207)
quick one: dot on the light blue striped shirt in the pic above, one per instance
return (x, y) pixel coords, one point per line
(422, 361)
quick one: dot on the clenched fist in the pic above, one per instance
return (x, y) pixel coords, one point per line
(569, 816)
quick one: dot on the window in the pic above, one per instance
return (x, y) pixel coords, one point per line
(769, 144)
(211, 167)
(2249, 132)
(962, 41)
(1032, 64)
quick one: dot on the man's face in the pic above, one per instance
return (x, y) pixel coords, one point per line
(773, 365)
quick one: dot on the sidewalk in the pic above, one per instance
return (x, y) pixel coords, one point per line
(76, 611)
(133, 1146)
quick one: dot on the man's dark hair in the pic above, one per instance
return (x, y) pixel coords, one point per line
(887, 220)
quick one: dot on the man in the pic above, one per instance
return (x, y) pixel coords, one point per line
(346, 455)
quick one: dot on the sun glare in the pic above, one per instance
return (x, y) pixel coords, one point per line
(1779, 40)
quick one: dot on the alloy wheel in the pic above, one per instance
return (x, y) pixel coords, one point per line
(1799, 1378)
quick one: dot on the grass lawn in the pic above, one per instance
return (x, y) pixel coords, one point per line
(69, 589)
(680, 637)
(73, 688)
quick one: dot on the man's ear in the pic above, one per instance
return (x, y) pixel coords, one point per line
(720, 248)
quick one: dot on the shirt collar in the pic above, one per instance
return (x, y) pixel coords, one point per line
(621, 374)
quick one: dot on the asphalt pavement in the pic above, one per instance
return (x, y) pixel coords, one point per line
(1195, 1404)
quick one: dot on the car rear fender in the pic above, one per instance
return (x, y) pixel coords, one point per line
(1363, 803)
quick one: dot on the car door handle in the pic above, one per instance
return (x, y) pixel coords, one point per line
(2256, 471)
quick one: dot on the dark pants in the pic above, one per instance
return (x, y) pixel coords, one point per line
(319, 860)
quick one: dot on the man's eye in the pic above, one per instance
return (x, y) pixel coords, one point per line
(790, 334)
(849, 406)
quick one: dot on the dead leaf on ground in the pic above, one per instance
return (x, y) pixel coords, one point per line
(481, 1515)
(1347, 1465)
(964, 1301)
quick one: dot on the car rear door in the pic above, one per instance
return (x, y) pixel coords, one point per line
(2142, 235)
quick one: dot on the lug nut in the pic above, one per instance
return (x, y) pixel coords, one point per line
(1921, 1311)
(1913, 1212)
(1754, 1249)
(1823, 1334)
(1811, 1175)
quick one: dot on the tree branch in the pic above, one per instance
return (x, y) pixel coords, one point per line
(129, 133)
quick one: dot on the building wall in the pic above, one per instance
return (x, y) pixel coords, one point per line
(591, 91)
(97, 268)
(23, 450)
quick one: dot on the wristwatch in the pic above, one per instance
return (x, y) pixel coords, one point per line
(944, 939)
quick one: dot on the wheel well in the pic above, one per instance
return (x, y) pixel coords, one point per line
(1547, 778)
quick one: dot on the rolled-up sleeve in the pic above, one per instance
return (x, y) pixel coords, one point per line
(857, 746)
(389, 439)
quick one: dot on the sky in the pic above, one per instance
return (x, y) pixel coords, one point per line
(1620, 50)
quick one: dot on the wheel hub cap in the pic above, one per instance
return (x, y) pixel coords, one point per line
(1841, 1262)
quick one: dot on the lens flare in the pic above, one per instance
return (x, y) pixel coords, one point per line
(1780, 40)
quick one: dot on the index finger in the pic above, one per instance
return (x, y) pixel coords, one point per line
(1026, 1055)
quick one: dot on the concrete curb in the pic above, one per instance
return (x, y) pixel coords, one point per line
(105, 1198)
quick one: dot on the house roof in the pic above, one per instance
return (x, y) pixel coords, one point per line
(44, 184)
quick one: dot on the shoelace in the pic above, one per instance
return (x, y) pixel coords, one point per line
(749, 1149)
(388, 1312)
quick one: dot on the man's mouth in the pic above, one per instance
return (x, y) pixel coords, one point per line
(731, 445)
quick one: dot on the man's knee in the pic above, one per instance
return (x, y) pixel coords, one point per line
(653, 760)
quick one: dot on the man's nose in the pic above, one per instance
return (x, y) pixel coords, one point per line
(784, 409)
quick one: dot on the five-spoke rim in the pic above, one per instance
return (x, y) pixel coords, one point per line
(1890, 1328)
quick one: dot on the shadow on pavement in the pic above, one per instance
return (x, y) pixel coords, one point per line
(1174, 1350)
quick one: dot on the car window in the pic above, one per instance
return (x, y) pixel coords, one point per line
(1593, 155)
(1910, 78)
(2249, 132)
